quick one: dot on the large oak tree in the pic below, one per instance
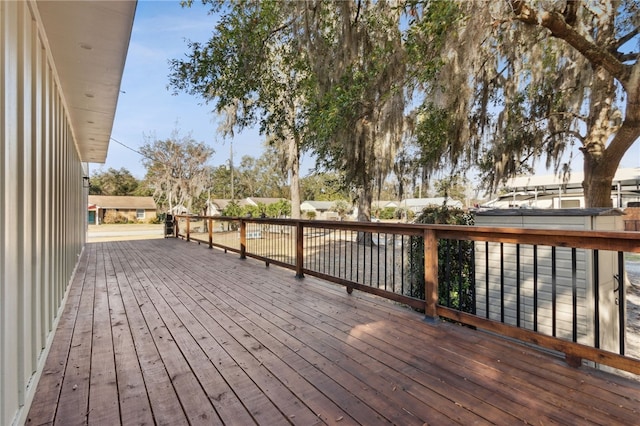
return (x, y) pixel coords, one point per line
(519, 80)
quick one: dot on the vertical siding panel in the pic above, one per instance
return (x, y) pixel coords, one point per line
(37, 196)
(10, 295)
(3, 111)
(25, 191)
(46, 199)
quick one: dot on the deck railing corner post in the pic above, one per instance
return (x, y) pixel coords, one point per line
(188, 228)
(210, 229)
(430, 274)
(243, 239)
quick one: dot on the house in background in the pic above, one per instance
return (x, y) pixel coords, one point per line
(321, 209)
(140, 209)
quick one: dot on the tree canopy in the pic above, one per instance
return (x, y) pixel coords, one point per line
(115, 182)
(520, 80)
(413, 87)
(177, 169)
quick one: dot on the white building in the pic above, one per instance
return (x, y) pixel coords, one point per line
(550, 192)
(61, 65)
(416, 205)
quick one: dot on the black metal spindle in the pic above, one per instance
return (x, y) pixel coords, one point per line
(472, 278)
(535, 288)
(351, 256)
(447, 272)
(596, 298)
(574, 292)
(501, 282)
(518, 285)
(370, 244)
(393, 259)
(621, 302)
(486, 276)
(554, 283)
(403, 268)
(460, 275)
(377, 281)
(386, 240)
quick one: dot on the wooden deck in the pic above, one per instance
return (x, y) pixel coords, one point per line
(169, 332)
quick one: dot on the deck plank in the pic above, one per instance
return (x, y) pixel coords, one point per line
(194, 401)
(73, 404)
(48, 391)
(135, 408)
(163, 399)
(197, 336)
(103, 387)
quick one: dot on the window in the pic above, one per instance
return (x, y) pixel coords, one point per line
(570, 204)
(140, 214)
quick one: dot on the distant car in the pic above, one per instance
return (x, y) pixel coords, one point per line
(375, 219)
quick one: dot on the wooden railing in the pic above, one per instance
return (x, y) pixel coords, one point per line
(559, 289)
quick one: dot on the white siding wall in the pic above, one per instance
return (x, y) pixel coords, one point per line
(42, 201)
(608, 267)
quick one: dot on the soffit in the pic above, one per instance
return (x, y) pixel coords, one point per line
(89, 42)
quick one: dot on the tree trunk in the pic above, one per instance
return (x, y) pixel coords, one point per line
(294, 179)
(365, 195)
(598, 178)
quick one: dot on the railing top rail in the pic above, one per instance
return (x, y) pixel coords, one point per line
(627, 241)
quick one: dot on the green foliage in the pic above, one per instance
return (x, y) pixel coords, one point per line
(387, 213)
(280, 209)
(114, 182)
(455, 261)
(342, 208)
(453, 187)
(232, 209)
(324, 187)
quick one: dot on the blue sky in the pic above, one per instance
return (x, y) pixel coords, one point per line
(146, 107)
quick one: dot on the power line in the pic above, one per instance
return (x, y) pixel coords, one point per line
(128, 147)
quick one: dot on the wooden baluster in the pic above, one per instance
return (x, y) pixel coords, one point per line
(243, 239)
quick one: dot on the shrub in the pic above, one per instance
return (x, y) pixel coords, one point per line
(113, 217)
(387, 213)
(155, 220)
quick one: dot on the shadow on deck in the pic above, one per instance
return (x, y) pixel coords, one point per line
(165, 332)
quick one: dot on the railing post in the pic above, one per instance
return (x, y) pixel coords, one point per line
(299, 250)
(430, 274)
(188, 228)
(210, 227)
(243, 239)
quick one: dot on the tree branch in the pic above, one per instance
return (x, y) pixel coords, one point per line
(559, 28)
(622, 40)
(628, 56)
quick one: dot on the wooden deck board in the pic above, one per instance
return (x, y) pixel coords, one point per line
(166, 332)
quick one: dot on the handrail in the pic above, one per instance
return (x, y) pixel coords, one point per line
(324, 249)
